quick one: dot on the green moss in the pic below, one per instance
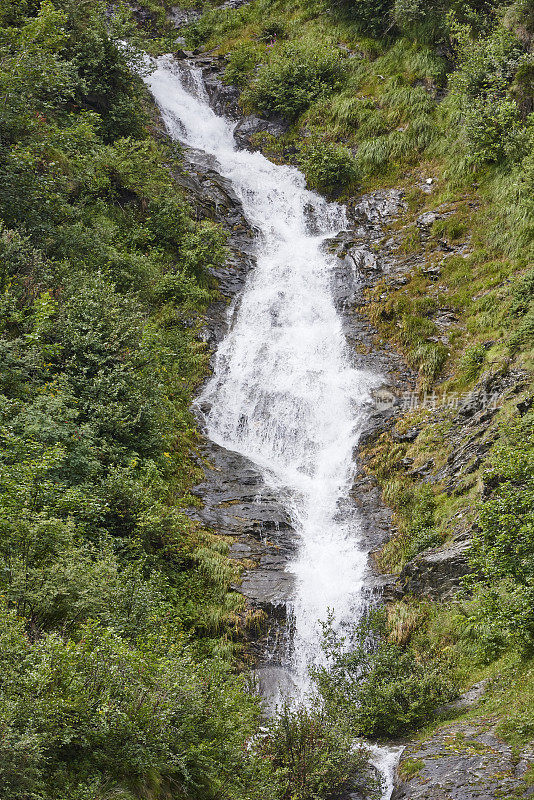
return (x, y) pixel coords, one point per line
(410, 767)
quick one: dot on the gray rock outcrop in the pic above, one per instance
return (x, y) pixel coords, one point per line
(437, 572)
(237, 503)
(463, 761)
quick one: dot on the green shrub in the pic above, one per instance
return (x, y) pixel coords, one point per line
(380, 688)
(331, 168)
(102, 575)
(295, 76)
(316, 756)
(273, 29)
(503, 544)
(490, 126)
(241, 63)
(369, 16)
(81, 719)
(523, 295)
(499, 616)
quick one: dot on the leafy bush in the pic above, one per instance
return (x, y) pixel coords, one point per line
(498, 617)
(273, 29)
(331, 168)
(81, 719)
(491, 124)
(241, 63)
(315, 756)
(370, 16)
(295, 76)
(503, 544)
(427, 22)
(102, 575)
(378, 687)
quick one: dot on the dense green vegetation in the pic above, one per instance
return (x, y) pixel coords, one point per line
(110, 594)
(377, 685)
(119, 635)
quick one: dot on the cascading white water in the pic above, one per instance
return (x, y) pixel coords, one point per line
(283, 392)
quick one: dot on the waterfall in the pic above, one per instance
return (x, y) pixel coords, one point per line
(284, 392)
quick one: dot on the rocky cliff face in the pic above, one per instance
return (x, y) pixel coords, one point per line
(235, 500)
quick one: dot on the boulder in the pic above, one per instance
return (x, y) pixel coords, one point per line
(437, 573)
(248, 126)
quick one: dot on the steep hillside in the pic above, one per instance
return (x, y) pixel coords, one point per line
(436, 101)
(120, 634)
(118, 629)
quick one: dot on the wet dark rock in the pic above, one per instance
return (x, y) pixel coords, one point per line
(213, 198)
(375, 517)
(250, 125)
(423, 471)
(525, 405)
(224, 99)
(237, 503)
(377, 207)
(445, 318)
(270, 589)
(143, 16)
(464, 761)
(387, 587)
(361, 261)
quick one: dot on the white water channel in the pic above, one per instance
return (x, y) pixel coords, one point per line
(283, 392)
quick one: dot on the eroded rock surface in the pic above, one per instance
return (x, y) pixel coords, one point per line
(235, 500)
(214, 198)
(437, 572)
(237, 503)
(463, 761)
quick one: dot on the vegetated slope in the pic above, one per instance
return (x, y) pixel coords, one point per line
(436, 99)
(116, 616)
